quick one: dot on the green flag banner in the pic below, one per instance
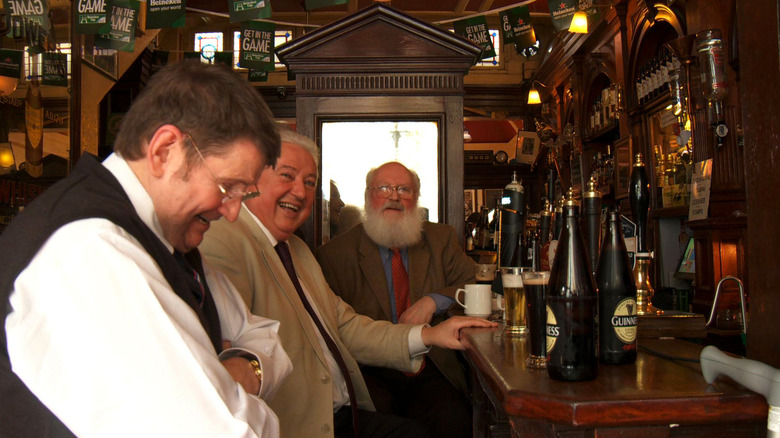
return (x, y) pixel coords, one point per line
(225, 58)
(561, 12)
(258, 75)
(91, 17)
(122, 15)
(516, 27)
(594, 14)
(475, 30)
(246, 10)
(257, 45)
(28, 20)
(55, 69)
(316, 4)
(11, 63)
(162, 14)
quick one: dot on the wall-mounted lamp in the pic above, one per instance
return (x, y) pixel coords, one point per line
(533, 94)
(7, 160)
(579, 22)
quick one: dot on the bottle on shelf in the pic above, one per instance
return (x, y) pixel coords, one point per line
(571, 305)
(616, 298)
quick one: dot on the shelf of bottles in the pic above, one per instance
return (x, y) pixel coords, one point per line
(652, 79)
(603, 115)
(602, 170)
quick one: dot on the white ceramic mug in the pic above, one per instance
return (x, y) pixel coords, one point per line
(478, 300)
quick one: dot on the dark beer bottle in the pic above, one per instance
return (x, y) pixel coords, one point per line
(617, 297)
(571, 304)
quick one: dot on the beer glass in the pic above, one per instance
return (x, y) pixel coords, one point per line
(514, 301)
(535, 286)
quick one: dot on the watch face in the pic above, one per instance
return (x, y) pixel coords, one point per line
(501, 157)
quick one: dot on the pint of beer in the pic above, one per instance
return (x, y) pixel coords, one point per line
(514, 301)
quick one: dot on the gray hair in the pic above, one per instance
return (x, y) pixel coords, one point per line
(370, 178)
(290, 136)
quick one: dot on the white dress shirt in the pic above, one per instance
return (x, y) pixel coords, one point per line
(99, 336)
(340, 394)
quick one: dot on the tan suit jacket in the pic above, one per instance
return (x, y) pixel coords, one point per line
(304, 402)
(353, 267)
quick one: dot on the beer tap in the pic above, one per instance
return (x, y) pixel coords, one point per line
(639, 196)
(591, 206)
(545, 219)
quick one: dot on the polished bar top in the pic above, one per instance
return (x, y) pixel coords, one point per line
(654, 390)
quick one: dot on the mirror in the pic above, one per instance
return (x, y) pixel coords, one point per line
(351, 148)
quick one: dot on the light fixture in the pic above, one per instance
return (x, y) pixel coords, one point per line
(466, 134)
(533, 94)
(579, 22)
(7, 161)
(8, 85)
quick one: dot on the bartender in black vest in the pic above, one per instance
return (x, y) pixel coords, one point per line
(112, 325)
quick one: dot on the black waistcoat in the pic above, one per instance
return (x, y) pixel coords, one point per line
(91, 191)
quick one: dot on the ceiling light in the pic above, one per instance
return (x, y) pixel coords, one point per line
(579, 22)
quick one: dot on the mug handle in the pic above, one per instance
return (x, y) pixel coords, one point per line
(457, 296)
(500, 302)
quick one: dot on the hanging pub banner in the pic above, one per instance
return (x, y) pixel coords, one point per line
(516, 27)
(316, 4)
(191, 55)
(162, 14)
(91, 17)
(593, 13)
(247, 10)
(55, 69)
(122, 15)
(257, 45)
(561, 12)
(258, 75)
(11, 63)
(28, 20)
(224, 58)
(475, 30)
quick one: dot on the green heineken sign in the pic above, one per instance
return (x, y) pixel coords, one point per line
(516, 27)
(122, 16)
(257, 45)
(162, 14)
(55, 69)
(258, 75)
(11, 63)
(246, 10)
(475, 30)
(91, 17)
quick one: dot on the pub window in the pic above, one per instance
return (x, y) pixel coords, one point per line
(208, 43)
(33, 64)
(494, 61)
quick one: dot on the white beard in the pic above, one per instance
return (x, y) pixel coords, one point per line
(394, 233)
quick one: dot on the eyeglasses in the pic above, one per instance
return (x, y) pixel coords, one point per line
(385, 191)
(232, 192)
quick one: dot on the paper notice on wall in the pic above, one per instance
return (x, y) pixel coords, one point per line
(700, 190)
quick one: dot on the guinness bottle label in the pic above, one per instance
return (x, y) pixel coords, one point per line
(552, 330)
(624, 320)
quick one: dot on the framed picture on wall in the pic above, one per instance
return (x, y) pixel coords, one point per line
(469, 201)
(527, 147)
(623, 151)
(492, 196)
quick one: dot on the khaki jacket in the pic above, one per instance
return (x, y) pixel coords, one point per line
(304, 402)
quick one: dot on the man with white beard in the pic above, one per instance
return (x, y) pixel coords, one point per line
(398, 267)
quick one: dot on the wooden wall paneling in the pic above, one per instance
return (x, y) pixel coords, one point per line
(759, 27)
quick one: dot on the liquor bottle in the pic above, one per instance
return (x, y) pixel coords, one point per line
(617, 297)
(33, 137)
(571, 305)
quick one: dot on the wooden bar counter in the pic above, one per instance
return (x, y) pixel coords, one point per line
(663, 394)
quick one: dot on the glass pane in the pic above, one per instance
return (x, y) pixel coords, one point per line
(351, 149)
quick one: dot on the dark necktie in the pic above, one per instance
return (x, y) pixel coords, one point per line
(400, 283)
(200, 297)
(284, 253)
